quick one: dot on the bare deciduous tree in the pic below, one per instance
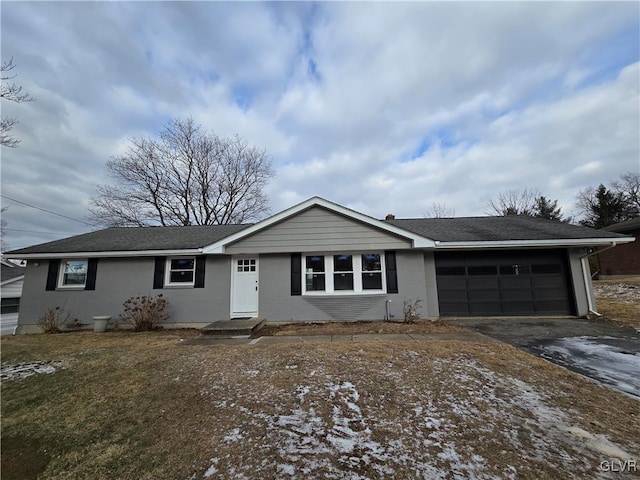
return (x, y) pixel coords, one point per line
(629, 187)
(3, 224)
(10, 91)
(514, 202)
(186, 177)
(439, 210)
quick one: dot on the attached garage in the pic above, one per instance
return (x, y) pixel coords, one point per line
(504, 283)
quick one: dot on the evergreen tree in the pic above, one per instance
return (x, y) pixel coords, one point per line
(549, 209)
(603, 207)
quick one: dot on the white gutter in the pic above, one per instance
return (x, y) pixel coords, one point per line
(587, 276)
(120, 253)
(568, 242)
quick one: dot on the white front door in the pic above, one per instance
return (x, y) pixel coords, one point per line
(244, 287)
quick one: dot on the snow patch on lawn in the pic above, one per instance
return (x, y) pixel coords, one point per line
(623, 292)
(339, 430)
(24, 370)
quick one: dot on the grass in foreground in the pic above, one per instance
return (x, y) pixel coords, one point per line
(136, 406)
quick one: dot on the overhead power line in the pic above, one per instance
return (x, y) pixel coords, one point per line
(48, 211)
(37, 231)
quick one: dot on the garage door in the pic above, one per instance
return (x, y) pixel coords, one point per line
(503, 283)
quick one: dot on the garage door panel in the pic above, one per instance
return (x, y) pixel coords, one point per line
(484, 295)
(453, 296)
(482, 283)
(504, 283)
(509, 295)
(455, 308)
(549, 294)
(459, 283)
(488, 308)
(515, 282)
(517, 308)
(548, 282)
(549, 307)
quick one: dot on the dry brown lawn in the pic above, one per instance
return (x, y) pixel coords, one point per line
(360, 327)
(145, 406)
(619, 300)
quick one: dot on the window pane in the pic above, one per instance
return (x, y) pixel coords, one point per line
(181, 277)
(182, 264)
(450, 270)
(342, 263)
(371, 262)
(549, 268)
(75, 272)
(372, 281)
(343, 281)
(76, 267)
(483, 270)
(315, 264)
(315, 282)
(10, 305)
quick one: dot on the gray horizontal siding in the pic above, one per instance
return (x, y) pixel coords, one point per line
(120, 278)
(318, 229)
(350, 307)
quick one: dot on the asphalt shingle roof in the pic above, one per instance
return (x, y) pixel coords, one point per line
(510, 227)
(137, 239)
(462, 229)
(624, 227)
(11, 272)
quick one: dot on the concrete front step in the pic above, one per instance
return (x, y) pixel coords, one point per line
(233, 328)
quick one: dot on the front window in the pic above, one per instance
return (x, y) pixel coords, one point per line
(181, 271)
(371, 271)
(10, 305)
(314, 273)
(344, 274)
(74, 273)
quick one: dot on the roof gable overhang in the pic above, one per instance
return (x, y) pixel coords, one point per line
(417, 241)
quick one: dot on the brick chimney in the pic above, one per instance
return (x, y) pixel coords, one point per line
(390, 216)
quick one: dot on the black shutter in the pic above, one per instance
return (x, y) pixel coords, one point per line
(200, 265)
(296, 274)
(52, 274)
(392, 272)
(158, 273)
(92, 269)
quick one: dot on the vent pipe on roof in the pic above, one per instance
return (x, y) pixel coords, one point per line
(390, 216)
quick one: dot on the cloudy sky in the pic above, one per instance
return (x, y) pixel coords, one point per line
(381, 107)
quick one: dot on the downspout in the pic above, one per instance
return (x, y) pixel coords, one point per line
(587, 276)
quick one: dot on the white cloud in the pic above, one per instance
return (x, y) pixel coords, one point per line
(486, 96)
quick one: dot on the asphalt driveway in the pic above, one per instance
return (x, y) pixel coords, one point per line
(602, 351)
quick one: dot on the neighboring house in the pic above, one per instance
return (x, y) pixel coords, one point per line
(623, 260)
(10, 292)
(319, 261)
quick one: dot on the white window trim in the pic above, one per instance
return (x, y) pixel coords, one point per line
(167, 273)
(63, 265)
(328, 275)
